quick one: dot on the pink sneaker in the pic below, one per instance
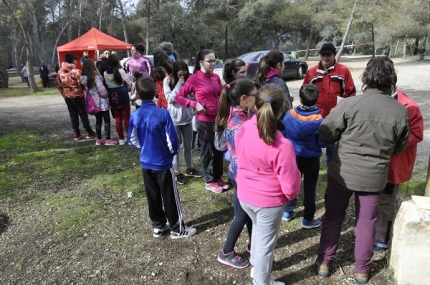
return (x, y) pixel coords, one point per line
(222, 184)
(111, 142)
(100, 142)
(214, 187)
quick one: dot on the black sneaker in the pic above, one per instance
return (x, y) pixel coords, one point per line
(232, 259)
(180, 179)
(193, 172)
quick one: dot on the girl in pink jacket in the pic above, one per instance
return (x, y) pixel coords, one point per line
(207, 87)
(267, 177)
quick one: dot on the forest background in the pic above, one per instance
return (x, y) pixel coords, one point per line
(31, 30)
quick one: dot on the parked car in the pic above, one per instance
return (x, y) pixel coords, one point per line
(293, 68)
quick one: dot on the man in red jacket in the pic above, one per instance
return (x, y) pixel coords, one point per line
(400, 171)
(333, 80)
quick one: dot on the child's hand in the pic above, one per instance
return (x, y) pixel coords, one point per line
(200, 108)
(181, 81)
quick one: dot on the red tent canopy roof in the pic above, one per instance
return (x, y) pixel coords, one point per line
(94, 40)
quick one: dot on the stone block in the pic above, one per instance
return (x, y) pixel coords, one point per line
(410, 247)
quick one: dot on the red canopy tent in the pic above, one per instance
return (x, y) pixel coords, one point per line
(92, 41)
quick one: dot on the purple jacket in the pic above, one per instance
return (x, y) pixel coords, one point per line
(140, 63)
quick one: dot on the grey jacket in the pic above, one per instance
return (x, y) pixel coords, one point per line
(369, 129)
(180, 115)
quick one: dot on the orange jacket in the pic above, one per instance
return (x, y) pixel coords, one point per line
(402, 164)
(68, 78)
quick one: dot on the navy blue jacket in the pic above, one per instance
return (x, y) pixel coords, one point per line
(152, 130)
(301, 128)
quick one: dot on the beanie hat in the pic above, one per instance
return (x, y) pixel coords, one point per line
(328, 48)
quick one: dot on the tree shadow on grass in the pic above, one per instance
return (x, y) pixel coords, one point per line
(341, 267)
(212, 220)
(4, 222)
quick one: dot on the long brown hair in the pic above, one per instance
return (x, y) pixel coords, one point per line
(270, 103)
(230, 96)
(266, 62)
(113, 62)
(89, 69)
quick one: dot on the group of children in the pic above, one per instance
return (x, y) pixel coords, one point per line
(266, 182)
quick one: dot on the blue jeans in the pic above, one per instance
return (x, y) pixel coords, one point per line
(76, 107)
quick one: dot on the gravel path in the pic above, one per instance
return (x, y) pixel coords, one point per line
(49, 112)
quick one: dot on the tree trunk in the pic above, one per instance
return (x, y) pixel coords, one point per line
(373, 40)
(225, 42)
(417, 41)
(308, 46)
(348, 27)
(427, 192)
(35, 32)
(123, 17)
(405, 46)
(397, 46)
(54, 52)
(4, 78)
(69, 19)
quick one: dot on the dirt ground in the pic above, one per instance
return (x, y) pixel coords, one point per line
(24, 256)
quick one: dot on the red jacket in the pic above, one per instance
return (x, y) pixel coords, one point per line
(161, 102)
(402, 164)
(336, 81)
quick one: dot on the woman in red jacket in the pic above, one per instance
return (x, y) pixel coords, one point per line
(400, 171)
(207, 87)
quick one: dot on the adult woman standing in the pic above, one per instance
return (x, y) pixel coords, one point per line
(139, 62)
(236, 69)
(207, 87)
(269, 69)
(369, 129)
(182, 118)
(118, 84)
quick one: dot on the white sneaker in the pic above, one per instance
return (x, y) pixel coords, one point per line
(122, 142)
(187, 232)
(159, 232)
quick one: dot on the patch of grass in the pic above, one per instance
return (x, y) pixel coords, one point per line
(27, 156)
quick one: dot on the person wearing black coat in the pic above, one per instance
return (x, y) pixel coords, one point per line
(44, 75)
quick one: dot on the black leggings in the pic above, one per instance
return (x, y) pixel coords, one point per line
(103, 115)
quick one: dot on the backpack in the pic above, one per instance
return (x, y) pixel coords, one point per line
(90, 107)
(220, 142)
(118, 97)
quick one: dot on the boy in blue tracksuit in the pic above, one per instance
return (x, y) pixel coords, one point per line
(152, 130)
(301, 128)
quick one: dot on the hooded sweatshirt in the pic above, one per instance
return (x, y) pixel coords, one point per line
(140, 63)
(68, 81)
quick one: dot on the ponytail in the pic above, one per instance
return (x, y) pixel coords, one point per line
(263, 70)
(230, 96)
(269, 103)
(268, 61)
